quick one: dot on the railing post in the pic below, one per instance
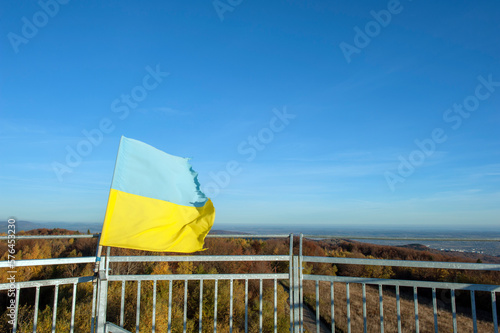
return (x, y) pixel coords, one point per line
(296, 295)
(102, 297)
(290, 282)
(301, 286)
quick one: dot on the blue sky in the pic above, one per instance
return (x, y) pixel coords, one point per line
(318, 112)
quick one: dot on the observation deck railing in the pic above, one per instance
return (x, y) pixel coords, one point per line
(302, 302)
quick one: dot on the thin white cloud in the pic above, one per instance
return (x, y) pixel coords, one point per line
(9, 127)
(169, 111)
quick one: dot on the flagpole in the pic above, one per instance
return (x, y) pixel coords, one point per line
(99, 248)
(94, 285)
(97, 257)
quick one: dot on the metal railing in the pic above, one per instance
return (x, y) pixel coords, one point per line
(55, 283)
(381, 283)
(472, 288)
(105, 278)
(292, 281)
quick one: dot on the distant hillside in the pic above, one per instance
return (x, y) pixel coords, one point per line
(21, 225)
(467, 255)
(81, 227)
(70, 228)
(226, 232)
(407, 252)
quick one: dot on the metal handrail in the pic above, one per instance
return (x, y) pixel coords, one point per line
(403, 263)
(330, 260)
(429, 239)
(405, 283)
(44, 237)
(48, 262)
(198, 277)
(88, 260)
(49, 282)
(199, 258)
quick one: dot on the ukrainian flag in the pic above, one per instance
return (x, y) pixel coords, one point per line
(155, 202)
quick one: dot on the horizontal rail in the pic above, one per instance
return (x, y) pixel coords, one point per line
(198, 277)
(330, 260)
(199, 258)
(44, 283)
(430, 239)
(248, 236)
(403, 263)
(87, 260)
(43, 237)
(48, 262)
(404, 283)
